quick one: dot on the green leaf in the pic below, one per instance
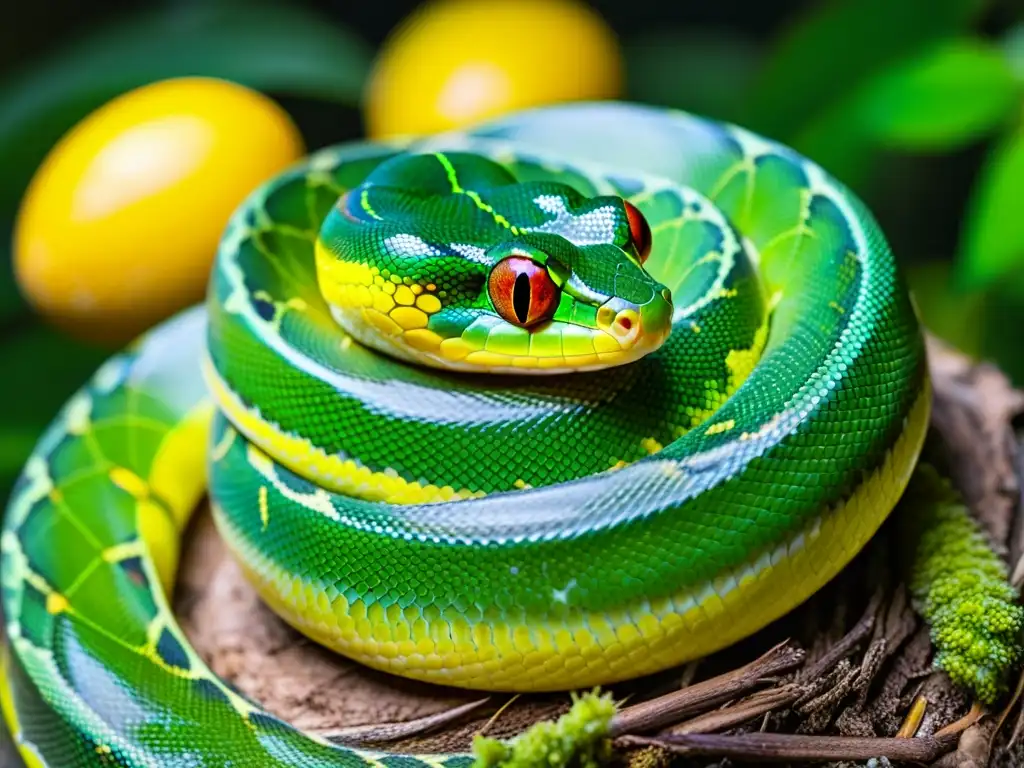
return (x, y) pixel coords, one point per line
(952, 314)
(15, 446)
(944, 97)
(836, 47)
(1004, 317)
(42, 369)
(12, 304)
(282, 49)
(992, 246)
(1013, 49)
(705, 71)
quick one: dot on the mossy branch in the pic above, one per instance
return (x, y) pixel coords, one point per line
(578, 739)
(960, 587)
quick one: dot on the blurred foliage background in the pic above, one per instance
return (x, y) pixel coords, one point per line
(918, 105)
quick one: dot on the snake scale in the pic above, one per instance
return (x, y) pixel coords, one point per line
(565, 398)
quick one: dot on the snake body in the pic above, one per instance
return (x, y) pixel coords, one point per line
(361, 394)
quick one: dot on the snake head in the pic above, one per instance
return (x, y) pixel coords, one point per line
(447, 260)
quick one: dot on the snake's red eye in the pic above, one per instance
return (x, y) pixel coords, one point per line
(522, 291)
(639, 230)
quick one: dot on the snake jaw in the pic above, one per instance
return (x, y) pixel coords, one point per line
(623, 333)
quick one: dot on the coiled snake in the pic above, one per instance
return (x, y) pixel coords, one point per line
(563, 399)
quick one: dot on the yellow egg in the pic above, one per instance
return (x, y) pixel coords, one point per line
(455, 62)
(120, 224)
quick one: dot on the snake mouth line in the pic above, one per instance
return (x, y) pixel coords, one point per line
(621, 343)
(627, 334)
(623, 332)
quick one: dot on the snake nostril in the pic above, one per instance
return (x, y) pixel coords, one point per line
(625, 323)
(666, 294)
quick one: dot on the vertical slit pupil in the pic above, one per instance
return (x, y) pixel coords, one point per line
(521, 297)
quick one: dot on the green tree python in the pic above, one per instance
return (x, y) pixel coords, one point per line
(570, 397)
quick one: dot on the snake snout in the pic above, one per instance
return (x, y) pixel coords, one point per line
(641, 328)
(656, 317)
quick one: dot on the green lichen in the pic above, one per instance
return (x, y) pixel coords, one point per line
(578, 739)
(960, 587)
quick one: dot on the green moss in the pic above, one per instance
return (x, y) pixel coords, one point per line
(960, 587)
(578, 739)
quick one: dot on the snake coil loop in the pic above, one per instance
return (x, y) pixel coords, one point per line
(397, 492)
